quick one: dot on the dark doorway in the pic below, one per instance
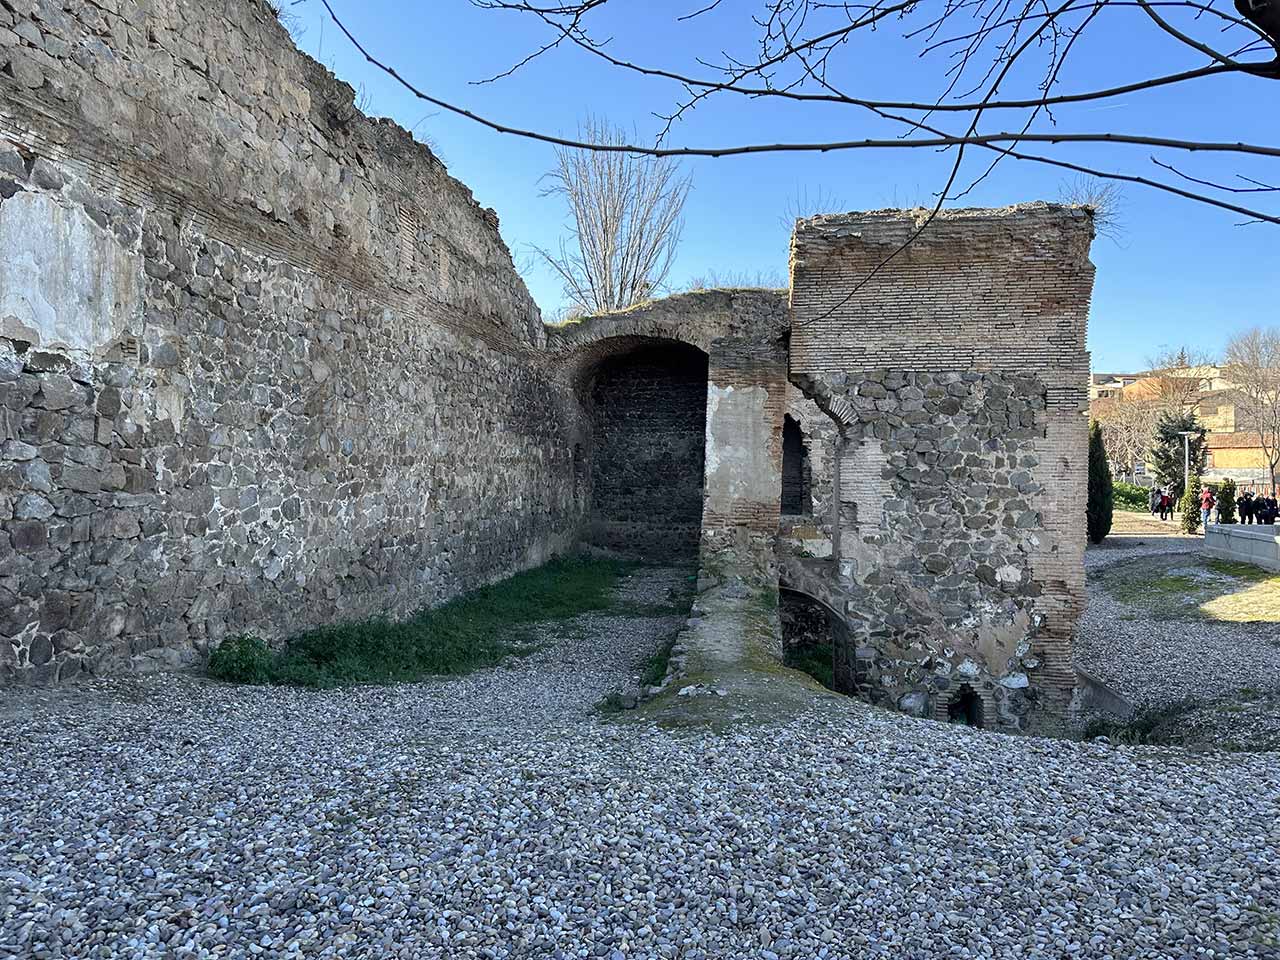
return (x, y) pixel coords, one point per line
(965, 707)
(796, 496)
(649, 414)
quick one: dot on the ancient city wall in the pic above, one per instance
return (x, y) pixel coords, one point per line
(263, 363)
(741, 336)
(958, 377)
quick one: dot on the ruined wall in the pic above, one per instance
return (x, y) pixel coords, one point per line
(648, 428)
(959, 378)
(810, 534)
(743, 335)
(263, 363)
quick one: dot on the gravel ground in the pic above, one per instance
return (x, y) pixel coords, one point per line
(1154, 663)
(497, 816)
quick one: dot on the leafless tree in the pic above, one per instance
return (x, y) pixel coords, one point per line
(1128, 426)
(989, 58)
(1252, 362)
(625, 210)
(1178, 378)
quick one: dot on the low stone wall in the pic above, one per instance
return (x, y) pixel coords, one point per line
(1259, 545)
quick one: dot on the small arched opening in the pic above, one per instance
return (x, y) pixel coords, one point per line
(797, 495)
(965, 707)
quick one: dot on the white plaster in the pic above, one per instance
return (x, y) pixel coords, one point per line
(65, 283)
(738, 465)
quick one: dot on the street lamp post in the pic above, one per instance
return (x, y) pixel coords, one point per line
(1186, 457)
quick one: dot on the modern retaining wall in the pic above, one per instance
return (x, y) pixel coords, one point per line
(1259, 545)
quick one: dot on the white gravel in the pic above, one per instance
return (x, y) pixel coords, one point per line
(1155, 663)
(497, 816)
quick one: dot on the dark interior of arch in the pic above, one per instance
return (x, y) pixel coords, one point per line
(965, 707)
(796, 495)
(649, 413)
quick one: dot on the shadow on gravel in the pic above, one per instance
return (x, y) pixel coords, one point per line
(1191, 587)
(1248, 722)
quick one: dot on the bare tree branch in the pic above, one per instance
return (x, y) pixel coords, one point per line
(1252, 364)
(797, 57)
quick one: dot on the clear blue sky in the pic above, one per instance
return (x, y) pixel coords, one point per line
(1181, 272)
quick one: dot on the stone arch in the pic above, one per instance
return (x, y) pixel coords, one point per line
(810, 625)
(645, 404)
(697, 319)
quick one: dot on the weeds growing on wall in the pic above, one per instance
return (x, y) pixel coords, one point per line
(479, 629)
(654, 670)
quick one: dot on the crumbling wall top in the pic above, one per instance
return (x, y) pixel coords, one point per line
(978, 289)
(211, 111)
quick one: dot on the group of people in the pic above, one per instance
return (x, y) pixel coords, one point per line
(1250, 508)
(1163, 502)
(1258, 509)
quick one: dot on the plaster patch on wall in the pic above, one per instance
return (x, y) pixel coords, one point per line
(739, 465)
(65, 283)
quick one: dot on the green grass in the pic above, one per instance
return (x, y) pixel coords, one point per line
(1172, 587)
(479, 629)
(1245, 571)
(1195, 588)
(817, 661)
(654, 670)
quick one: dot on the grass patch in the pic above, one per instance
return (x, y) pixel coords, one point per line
(1146, 728)
(479, 629)
(654, 670)
(1243, 571)
(1195, 588)
(817, 660)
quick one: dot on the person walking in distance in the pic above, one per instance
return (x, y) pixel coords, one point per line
(1153, 500)
(1207, 500)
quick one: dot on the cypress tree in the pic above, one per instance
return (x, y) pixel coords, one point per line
(1100, 504)
(1191, 505)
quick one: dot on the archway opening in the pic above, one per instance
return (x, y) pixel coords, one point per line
(648, 420)
(797, 496)
(965, 707)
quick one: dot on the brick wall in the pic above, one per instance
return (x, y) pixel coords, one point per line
(648, 434)
(961, 376)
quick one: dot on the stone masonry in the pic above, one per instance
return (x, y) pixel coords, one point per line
(957, 380)
(265, 365)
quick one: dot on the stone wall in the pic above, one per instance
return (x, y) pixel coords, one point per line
(742, 334)
(263, 363)
(648, 428)
(958, 377)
